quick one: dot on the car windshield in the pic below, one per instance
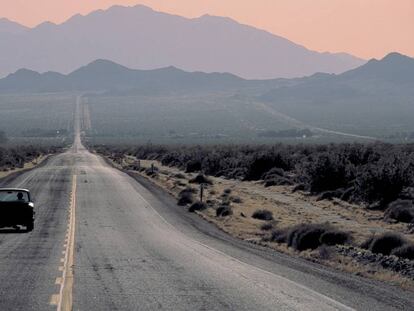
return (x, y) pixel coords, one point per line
(14, 196)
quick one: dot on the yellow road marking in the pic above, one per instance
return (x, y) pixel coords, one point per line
(54, 300)
(63, 300)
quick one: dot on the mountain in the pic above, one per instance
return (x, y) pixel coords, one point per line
(392, 74)
(104, 75)
(139, 37)
(7, 26)
(380, 92)
(393, 68)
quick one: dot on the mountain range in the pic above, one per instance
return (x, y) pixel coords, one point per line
(378, 94)
(392, 74)
(139, 37)
(107, 76)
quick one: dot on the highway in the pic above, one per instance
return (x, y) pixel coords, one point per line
(105, 241)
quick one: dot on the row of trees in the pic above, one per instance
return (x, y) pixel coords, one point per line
(374, 174)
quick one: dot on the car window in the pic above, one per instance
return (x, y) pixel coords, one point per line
(14, 196)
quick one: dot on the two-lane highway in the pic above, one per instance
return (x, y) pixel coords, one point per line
(103, 241)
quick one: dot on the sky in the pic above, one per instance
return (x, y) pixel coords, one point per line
(364, 28)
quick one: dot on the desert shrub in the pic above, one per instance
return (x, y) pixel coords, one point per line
(16, 156)
(401, 210)
(266, 227)
(303, 237)
(224, 211)
(201, 179)
(186, 197)
(193, 166)
(385, 243)
(405, 251)
(179, 176)
(407, 194)
(367, 243)
(327, 171)
(361, 173)
(335, 238)
(265, 161)
(235, 199)
(197, 206)
(263, 214)
(311, 236)
(279, 236)
(276, 177)
(227, 191)
(383, 181)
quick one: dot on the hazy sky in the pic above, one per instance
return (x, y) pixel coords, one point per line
(366, 28)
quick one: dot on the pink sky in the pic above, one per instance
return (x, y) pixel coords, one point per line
(365, 28)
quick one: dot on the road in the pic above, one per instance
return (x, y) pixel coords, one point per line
(105, 241)
(271, 111)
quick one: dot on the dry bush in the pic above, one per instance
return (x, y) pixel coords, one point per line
(262, 214)
(311, 236)
(385, 243)
(186, 196)
(405, 251)
(224, 211)
(201, 179)
(400, 210)
(197, 206)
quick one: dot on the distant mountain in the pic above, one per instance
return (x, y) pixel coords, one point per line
(380, 92)
(393, 68)
(139, 37)
(392, 74)
(107, 76)
(7, 26)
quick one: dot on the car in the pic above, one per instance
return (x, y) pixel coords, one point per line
(16, 208)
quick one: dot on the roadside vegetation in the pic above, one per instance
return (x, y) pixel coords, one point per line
(373, 175)
(15, 157)
(344, 205)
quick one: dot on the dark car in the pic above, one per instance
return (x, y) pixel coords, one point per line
(16, 208)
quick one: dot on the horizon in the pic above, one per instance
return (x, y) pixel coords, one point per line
(309, 31)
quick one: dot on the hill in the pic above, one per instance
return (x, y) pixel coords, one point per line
(7, 26)
(378, 94)
(107, 76)
(138, 37)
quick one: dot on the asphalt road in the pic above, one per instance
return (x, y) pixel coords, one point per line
(120, 243)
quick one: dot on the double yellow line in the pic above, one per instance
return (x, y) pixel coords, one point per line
(64, 300)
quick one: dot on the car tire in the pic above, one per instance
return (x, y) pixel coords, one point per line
(30, 226)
